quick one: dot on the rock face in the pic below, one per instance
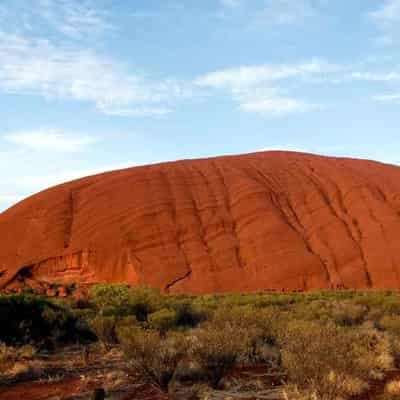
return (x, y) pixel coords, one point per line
(275, 220)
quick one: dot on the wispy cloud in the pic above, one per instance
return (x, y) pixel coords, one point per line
(42, 181)
(25, 185)
(387, 98)
(278, 106)
(76, 19)
(376, 77)
(387, 19)
(259, 88)
(286, 12)
(137, 112)
(270, 13)
(50, 140)
(35, 66)
(236, 78)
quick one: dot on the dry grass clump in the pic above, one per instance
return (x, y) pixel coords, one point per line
(258, 330)
(217, 350)
(372, 351)
(7, 357)
(26, 352)
(348, 385)
(13, 362)
(390, 323)
(25, 371)
(322, 359)
(104, 328)
(154, 356)
(349, 314)
(292, 392)
(392, 391)
(393, 388)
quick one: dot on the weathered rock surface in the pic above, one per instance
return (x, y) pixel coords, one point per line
(275, 220)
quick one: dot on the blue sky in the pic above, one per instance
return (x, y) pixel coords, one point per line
(87, 86)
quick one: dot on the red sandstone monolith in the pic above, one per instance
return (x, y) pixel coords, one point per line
(273, 220)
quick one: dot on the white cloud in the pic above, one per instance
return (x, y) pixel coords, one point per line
(50, 140)
(376, 77)
(76, 19)
(271, 13)
(387, 19)
(81, 20)
(22, 185)
(258, 88)
(26, 185)
(389, 12)
(42, 181)
(278, 106)
(285, 12)
(34, 66)
(387, 98)
(138, 112)
(236, 78)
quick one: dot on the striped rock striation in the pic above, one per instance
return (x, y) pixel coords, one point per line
(272, 220)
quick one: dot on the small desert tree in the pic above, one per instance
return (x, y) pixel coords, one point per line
(153, 356)
(105, 329)
(217, 350)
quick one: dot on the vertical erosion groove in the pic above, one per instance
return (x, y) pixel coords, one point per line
(69, 219)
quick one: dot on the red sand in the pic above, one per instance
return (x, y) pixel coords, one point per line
(275, 220)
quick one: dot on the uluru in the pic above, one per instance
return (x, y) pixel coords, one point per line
(268, 220)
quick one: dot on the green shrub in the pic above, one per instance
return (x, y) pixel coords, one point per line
(188, 314)
(390, 323)
(324, 358)
(109, 296)
(207, 303)
(217, 350)
(372, 352)
(387, 302)
(144, 301)
(259, 328)
(126, 322)
(318, 357)
(348, 314)
(121, 300)
(153, 356)
(105, 329)
(28, 319)
(163, 320)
